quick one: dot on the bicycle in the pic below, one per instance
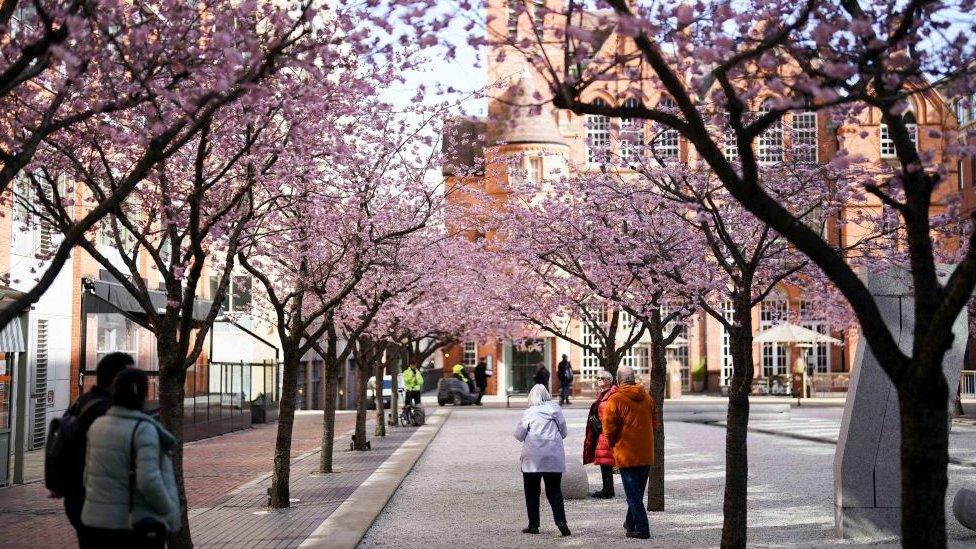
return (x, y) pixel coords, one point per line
(412, 415)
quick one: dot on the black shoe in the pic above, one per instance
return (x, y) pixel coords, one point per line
(563, 529)
(601, 494)
(530, 530)
(637, 535)
(478, 403)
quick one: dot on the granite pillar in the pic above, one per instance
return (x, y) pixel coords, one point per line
(867, 473)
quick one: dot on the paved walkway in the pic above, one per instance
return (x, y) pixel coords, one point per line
(221, 472)
(466, 491)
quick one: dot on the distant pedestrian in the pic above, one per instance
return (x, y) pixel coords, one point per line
(543, 459)
(629, 421)
(413, 384)
(596, 448)
(565, 374)
(131, 495)
(481, 379)
(542, 376)
(64, 464)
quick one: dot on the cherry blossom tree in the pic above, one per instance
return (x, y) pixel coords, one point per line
(126, 86)
(845, 60)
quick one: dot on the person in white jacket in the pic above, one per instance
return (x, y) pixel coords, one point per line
(541, 432)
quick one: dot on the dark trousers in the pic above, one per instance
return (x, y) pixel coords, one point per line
(554, 493)
(72, 508)
(481, 393)
(124, 538)
(565, 391)
(635, 482)
(606, 471)
(412, 397)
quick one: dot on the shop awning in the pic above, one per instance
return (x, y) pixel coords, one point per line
(112, 295)
(12, 338)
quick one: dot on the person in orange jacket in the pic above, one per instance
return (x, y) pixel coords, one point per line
(629, 421)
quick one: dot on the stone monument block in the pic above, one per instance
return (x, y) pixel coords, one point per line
(575, 484)
(867, 470)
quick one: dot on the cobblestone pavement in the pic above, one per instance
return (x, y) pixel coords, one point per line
(468, 482)
(213, 467)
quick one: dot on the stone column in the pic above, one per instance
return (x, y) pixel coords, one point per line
(867, 474)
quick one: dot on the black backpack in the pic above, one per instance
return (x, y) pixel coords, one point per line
(64, 452)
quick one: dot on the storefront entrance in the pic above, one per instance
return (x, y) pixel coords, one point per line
(525, 360)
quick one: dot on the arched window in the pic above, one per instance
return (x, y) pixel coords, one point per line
(888, 144)
(597, 136)
(770, 150)
(665, 144)
(631, 136)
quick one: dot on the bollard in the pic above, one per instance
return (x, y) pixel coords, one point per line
(964, 507)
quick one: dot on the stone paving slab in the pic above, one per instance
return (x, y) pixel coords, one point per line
(243, 520)
(213, 467)
(466, 491)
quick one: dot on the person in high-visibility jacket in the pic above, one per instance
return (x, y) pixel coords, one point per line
(459, 373)
(413, 384)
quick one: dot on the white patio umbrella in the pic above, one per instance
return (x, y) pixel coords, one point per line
(798, 336)
(793, 334)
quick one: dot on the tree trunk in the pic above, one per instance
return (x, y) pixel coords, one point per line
(655, 482)
(172, 377)
(380, 430)
(924, 455)
(736, 449)
(362, 376)
(281, 473)
(328, 420)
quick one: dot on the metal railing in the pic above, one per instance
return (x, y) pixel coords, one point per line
(967, 383)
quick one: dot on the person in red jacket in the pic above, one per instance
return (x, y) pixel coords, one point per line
(596, 449)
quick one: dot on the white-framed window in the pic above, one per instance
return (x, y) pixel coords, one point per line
(631, 136)
(637, 359)
(774, 355)
(665, 144)
(513, 17)
(770, 149)
(726, 372)
(962, 112)
(469, 354)
(888, 144)
(597, 136)
(679, 354)
(538, 13)
(533, 172)
(805, 136)
(729, 145)
(590, 360)
(819, 355)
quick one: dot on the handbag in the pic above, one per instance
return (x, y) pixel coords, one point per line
(595, 424)
(146, 529)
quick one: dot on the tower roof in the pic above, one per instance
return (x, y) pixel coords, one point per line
(523, 113)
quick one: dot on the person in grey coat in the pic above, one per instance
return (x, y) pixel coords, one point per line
(541, 432)
(121, 508)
